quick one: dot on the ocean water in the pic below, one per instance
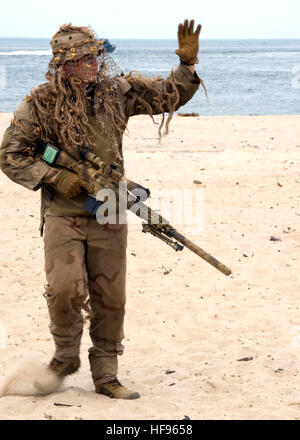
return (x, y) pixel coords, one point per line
(242, 77)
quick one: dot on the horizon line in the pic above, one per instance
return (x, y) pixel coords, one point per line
(169, 39)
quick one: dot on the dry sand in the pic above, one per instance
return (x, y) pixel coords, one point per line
(182, 314)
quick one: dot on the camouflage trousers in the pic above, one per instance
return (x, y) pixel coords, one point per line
(85, 265)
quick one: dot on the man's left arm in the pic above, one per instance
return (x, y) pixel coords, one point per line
(187, 83)
(157, 95)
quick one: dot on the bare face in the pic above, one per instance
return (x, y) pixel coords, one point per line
(85, 69)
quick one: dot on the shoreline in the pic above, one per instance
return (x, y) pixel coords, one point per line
(205, 115)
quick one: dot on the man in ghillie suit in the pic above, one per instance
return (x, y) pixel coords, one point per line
(86, 103)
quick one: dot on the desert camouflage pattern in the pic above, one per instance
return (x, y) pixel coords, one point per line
(85, 265)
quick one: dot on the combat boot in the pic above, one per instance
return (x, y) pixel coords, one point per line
(63, 369)
(115, 390)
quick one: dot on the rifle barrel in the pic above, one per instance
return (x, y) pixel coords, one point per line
(201, 253)
(148, 215)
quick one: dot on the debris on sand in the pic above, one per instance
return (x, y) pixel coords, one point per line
(246, 359)
(188, 114)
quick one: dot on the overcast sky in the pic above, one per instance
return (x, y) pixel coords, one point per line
(153, 18)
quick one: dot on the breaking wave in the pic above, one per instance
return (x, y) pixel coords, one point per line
(28, 52)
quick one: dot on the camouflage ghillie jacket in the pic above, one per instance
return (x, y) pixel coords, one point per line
(20, 167)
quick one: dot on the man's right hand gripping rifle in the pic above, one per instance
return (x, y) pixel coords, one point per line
(65, 182)
(71, 177)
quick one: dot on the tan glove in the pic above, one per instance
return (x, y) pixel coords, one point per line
(188, 42)
(67, 183)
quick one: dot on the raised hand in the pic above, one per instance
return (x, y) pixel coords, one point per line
(188, 42)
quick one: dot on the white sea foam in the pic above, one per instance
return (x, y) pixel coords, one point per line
(28, 52)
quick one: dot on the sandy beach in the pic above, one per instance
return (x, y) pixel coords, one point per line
(198, 343)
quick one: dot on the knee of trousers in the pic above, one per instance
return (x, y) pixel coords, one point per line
(65, 304)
